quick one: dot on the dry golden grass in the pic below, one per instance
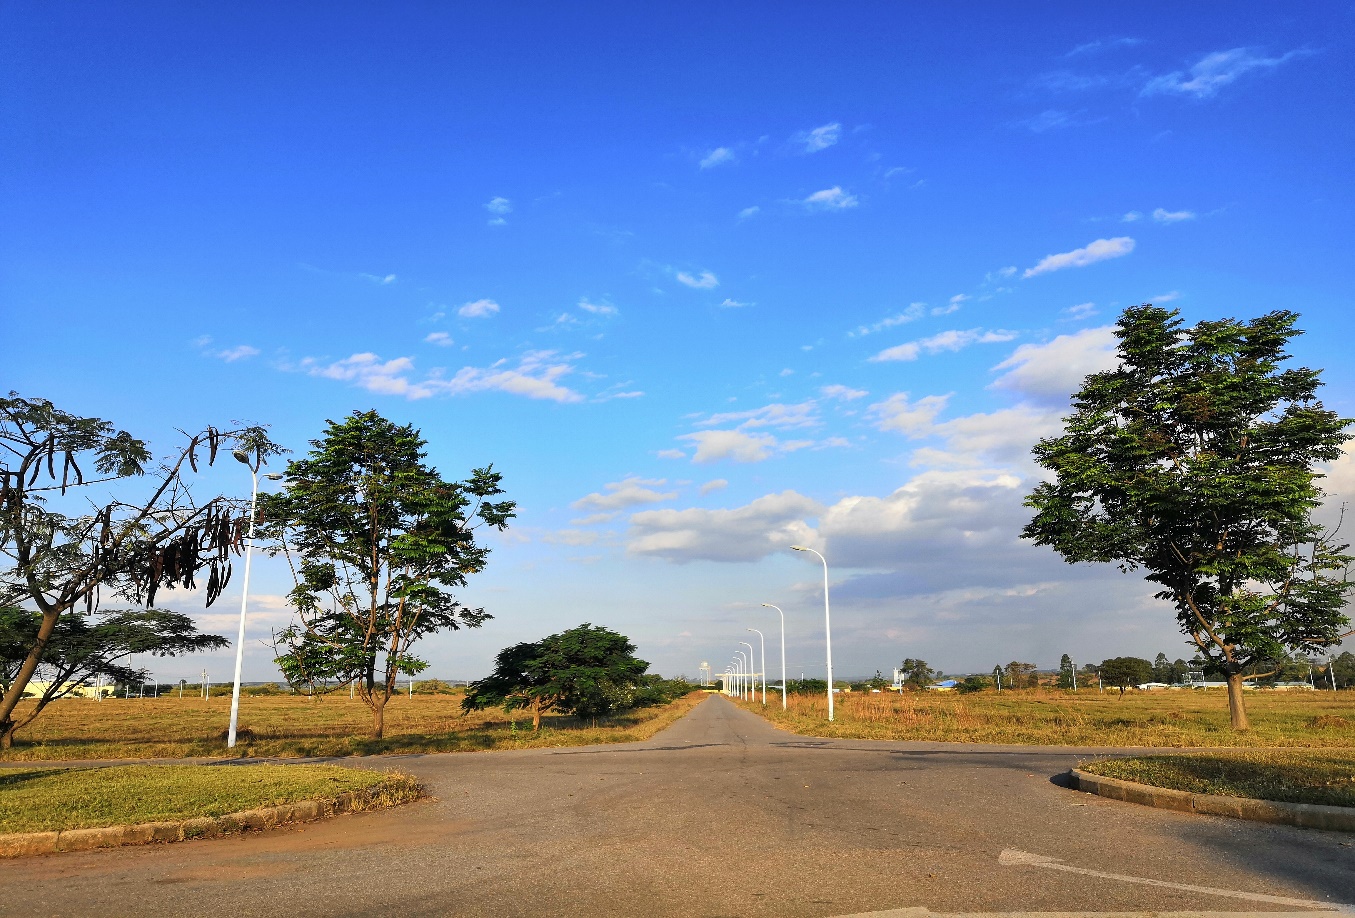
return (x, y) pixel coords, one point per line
(285, 725)
(1057, 718)
(1312, 776)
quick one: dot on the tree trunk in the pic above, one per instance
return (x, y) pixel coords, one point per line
(26, 670)
(378, 714)
(536, 716)
(1237, 706)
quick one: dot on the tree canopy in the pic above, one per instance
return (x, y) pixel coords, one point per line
(1195, 461)
(377, 541)
(1125, 672)
(587, 671)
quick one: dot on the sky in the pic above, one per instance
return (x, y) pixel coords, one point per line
(701, 280)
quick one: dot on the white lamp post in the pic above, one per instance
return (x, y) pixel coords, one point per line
(783, 651)
(741, 667)
(752, 670)
(827, 625)
(242, 456)
(763, 642)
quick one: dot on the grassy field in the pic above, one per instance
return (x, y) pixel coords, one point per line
(56, 799)
(1057, 718)
(1310, 776)
(285, 725)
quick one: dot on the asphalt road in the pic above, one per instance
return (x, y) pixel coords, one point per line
(721, 814)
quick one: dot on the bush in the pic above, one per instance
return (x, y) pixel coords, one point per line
(972, 684)
(807, 686)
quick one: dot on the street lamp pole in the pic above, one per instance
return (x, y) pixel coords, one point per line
(242, 456)
(763, 642)
(752, 670)
(783, 651)
(743, 668)
(827, 625)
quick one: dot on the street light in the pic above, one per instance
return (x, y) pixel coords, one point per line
(783, 651)
(741, 661)
(752, 670)
(827, 625)
(242, 456)
(763, 642)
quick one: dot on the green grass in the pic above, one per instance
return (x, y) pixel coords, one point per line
(1290, 776)
(290, 725)
(1087, 718)
(56, 799)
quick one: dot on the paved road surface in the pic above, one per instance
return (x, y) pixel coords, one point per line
(721, 814)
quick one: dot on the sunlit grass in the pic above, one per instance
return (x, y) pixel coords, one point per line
(1047, 717)
(286, 725)
(56, 799)
(1310, 776)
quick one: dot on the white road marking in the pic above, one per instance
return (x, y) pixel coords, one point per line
(1014, 858)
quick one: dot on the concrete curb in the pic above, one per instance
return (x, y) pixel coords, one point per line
(25, 844)
(1304, 815)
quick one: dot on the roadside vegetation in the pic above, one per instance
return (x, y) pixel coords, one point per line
(326, 725)
(1322, 777)
(53, 799)
(1181, 718)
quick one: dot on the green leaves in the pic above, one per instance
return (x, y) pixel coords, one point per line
(1195, 461)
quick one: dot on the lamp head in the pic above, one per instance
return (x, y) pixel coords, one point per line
(798, 548)
(274, 476)
(240, 456)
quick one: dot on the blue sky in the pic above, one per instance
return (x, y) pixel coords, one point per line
(701, 281)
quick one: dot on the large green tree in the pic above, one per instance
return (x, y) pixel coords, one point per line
(1195, 461)
(85, 517)
(1125, 672)
(587, 671)
(377, 540)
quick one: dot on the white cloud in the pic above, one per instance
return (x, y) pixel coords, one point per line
(749, 212)
(830, 199)
(1102, 44)
(628, 492)
(593, 519)
(820, 138)
(715, 484)
(1100, 250)
(534, 377)
(703, 281)
(958, 298)
(953, 340)
(479, 309)
(718, 156)
(239, 352)
(842, 393)
(1053, 371)
(912, 418)
(441, 339)
(714, 445)
(1081, 311)
(598, 309)
(671, 454)
(1172, 216)
(914, 312)
(383, 279)
(735, 304)
(769, 524)
(1166, 297)
(499, 206)
(1214, 71)
(1004, 436)
(1132, 217)
(775, 415)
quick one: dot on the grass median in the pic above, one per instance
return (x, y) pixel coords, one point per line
(290, 725)
(1308, 776)
(51, 799)
(1185, 718)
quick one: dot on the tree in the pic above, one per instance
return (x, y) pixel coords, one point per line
(999, 676)
(1022, 675)
(1194, 460)
(84, 649)
(1067, 677)
(970, 684)
(1343, 668)
(1124, 672)
(917, 674)
(71, 541)
(588, 671)
(376, 540)
(1162, 670)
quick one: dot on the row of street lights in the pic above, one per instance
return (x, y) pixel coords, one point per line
(743, 671)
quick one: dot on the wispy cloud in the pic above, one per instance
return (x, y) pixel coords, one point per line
(749, 212)
(383, 279)
(914, 312)
(913, 418)
(499, 208)
(1166, 297)
(1101, 45)
(628, 492)
(535, 376)
(1054, 119)
(830, 199)
(1080, 311)
(842, 393)
(441, 339)
(819, 138)
(1215, 71)
(703, 281)
(720, 156)
(1133, 216)
(598, 309)
(239, 352)
(1100, 250)
(953, 340)
(1172, 216)
(776, 415)
(478, 309)
(739, 446)
(715, 484)
(735, 304)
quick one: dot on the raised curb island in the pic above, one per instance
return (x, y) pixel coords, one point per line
(24, 844)
(1304, 815)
